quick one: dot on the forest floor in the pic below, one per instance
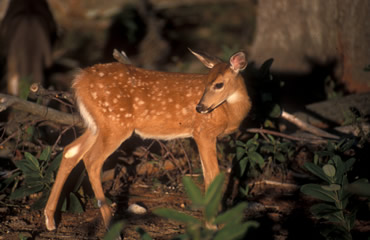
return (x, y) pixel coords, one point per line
(277, 204)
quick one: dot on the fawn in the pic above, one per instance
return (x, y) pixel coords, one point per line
(115, 100)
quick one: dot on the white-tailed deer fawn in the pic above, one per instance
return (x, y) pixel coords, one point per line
(116, 100)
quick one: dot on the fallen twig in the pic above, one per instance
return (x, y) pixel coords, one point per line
(39, 90)
(279, 134)
(307, 127)
(273, 183)
(46, 113)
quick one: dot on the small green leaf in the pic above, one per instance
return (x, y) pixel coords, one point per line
(234, 215)
(334, 217)
(340, 168)
(7, 181)
(316, 159)
(318, 192)
(240, 143)
(323, 210)
(347, 145)
(32, 159)
(54, 164)
(25, 191)
(46, 154)
(33, 178)
(30, 133)
(329, 170)
(361, 187)
(331, 146)
(243, 163)
(267, 148)
(272, 139)
(114, 231)
(252, 142)
(78, 183)
(316, 170)
(331, 187)
(324, 153)
(75, 205)
(35, 184)
(41, 202)
(64, 205)
(244, 191)
(213, 197)
(26, 167)
(256, 158)
(235, 231)
(280, 157)
(275, 111)
(143, 234)
(176, 216)
(193, 191)
(349, 163)
(240, 151)
(214, 188)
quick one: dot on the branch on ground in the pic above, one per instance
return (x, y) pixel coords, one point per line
(46, 113)
(307, 127)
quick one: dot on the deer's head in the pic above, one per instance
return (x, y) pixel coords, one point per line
(222, 82)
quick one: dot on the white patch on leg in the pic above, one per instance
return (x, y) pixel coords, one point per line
(72, 152)
(99, 203)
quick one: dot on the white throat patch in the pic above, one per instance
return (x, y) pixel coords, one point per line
(235, 97)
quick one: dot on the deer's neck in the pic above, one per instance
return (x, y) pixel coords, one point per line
(237, 107)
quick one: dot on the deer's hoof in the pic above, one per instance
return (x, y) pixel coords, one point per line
(49, 222)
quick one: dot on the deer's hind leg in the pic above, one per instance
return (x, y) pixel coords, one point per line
(104, 146)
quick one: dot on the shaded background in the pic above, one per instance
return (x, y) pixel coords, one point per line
(309, 41)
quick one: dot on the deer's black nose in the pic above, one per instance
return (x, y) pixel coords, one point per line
(200, 108)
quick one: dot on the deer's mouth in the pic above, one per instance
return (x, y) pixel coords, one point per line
(203, 109)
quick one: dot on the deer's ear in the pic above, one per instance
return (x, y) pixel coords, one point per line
(238, 61)
(207, 60)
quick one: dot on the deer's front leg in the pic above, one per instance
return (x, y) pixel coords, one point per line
(208, 157)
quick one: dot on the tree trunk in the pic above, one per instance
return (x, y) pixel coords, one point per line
(300, 35)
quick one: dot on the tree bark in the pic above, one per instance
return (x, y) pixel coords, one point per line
(298, 34)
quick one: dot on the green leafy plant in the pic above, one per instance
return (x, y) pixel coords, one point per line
(230, 222)
(335, 191)
(38, 175)
(248, 157)
(114, 231)
(356, 118)
(278, 150)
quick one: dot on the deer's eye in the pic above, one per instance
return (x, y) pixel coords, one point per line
(218, 86)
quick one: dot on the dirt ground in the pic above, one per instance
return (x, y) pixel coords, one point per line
(277, 204)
